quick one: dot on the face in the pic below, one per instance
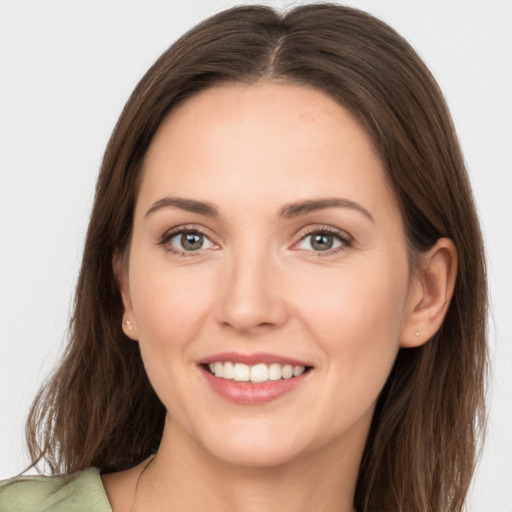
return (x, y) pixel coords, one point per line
(268, 250)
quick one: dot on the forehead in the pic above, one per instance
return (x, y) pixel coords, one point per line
(266, 141)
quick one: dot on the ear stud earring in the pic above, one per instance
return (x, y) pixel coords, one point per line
(129, 324)
(417, 333)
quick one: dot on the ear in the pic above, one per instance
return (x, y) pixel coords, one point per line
(120, 265)
(430, 293)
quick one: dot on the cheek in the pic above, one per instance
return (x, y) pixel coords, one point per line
(367, 301)
(170, 306)
(356, 319)
(168, 303)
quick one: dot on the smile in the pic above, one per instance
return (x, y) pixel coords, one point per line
(240, 372)
(254, 379)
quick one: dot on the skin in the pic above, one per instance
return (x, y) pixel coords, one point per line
(259, 285)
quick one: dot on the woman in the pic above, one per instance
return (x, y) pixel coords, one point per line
(282, 297)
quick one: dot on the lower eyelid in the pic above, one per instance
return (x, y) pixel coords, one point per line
(339, 242)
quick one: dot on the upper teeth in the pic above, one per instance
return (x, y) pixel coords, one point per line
(257, 373)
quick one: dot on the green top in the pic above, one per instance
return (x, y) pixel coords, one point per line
(79, 492)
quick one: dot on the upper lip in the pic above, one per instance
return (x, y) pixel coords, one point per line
(252, 359)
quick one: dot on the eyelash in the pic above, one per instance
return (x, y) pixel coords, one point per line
(169, 235)
(345, 240)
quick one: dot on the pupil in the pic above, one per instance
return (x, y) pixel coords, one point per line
(322, 242)
(191, 241)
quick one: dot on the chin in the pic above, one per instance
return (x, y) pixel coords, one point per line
(251, 444)
(255, 454)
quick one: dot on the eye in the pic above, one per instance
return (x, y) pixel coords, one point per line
(322, 240)
(188, 241)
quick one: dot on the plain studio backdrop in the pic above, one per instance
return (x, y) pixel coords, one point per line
(66, 70)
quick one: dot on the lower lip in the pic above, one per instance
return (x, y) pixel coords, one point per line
(246, 393)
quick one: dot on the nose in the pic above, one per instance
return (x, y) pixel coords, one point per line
(250, 299)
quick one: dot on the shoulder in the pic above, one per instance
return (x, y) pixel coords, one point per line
(78, 492)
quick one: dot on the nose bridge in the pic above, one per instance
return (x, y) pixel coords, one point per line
(248, 296)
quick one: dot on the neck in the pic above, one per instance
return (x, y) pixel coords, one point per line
(184, 476)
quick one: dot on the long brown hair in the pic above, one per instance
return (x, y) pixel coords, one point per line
(98, 408)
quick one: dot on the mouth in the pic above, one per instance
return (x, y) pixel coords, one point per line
(252, 379)
(257, 373)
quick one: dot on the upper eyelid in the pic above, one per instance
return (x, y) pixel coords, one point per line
(184, 228)
(319, 228)
(169, 234)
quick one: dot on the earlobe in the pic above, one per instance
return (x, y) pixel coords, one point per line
(431, 293)
(129, 324)
(129, 328)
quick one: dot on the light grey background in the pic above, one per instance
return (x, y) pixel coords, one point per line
(66, 69)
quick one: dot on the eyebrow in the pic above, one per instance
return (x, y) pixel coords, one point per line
(288, 211)
(189, 205)
(312, 205)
